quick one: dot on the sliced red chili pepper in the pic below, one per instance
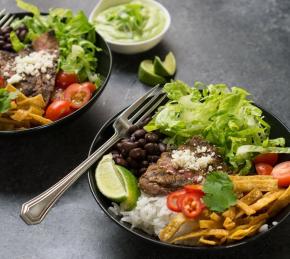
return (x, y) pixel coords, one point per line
(192, 205)
(172, 200)
(194, 188)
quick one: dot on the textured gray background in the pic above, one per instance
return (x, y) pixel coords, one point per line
(242, 43)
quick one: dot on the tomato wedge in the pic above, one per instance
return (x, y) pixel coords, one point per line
(268, 158)
(78, 95)
(57, 110)
(172, 200)
(263, 169)
(192, 205)
(64, 79)
(282, 173)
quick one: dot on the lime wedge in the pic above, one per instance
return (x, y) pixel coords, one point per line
(109, 181)
(167, 67)
(131, 186)
(147, 76)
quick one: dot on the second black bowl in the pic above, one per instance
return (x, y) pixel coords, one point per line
(104, 69)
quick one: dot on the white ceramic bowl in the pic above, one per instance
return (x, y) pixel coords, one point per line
(132, 47)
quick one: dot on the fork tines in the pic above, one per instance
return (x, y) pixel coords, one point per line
(5, 19)
(150, 102)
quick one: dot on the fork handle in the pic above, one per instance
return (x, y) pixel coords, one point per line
(35, 210)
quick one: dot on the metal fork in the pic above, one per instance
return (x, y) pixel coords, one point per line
(6, 19)
(34, 211)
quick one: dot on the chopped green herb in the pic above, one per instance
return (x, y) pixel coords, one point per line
(219, 192)
(5, 99)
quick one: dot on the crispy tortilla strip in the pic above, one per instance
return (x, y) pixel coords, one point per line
(244, 231)
(252, 196)
(214, 216)
(229, 224)
(247, 209)
(203, 223)
(264, 185)
(35, 100)
(20, 115)
(249, 177)
(173, 226)
(265, 201)
(252, 220)
(39, 119)
(280, 203)
(230, 213)
(218, 233)
(189, 236)
(207, 241)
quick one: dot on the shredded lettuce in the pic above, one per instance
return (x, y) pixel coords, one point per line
(16, 43)
(223, 116)
(75, 35)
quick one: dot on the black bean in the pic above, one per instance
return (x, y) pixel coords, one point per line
(1, 37)
(145, 121)
(22, 27)
(139, 133)
(7, 36)
(22, 35)
(125, 140)
(153, 159)
(114, 152)
(132, 163)
(141, 142)
(115, 155)
(119, 146)
(121, 161)
(137, 153)
(1, 43)
(132, 129)
(7, 46)
(152, 148)
(162, 147)
(124, 152)
(151, 137)
(129, 145)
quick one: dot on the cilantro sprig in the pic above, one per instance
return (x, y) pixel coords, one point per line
(219, 192)
(5, 99)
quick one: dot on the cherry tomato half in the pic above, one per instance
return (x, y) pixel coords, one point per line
(63, 79)
(268, 158)
(192, 205)
(263, 169)
(1, 81)
(57, 110)
(172, 200)
(90, 85)
(78, 95)
(282, 173)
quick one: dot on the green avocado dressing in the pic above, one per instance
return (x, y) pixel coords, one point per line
(131, 22)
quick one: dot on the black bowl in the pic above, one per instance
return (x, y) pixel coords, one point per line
(278, 129)
(104, 69)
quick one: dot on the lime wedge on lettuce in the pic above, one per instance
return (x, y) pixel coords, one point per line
(166, 67)
(147, 75)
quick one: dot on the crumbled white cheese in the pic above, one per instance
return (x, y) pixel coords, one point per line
(187, 159)
(264, 228)
(14, 79)
(30, 65)
(201, 149)
(274, 223)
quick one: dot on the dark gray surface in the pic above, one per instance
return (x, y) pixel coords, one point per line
(242, 43)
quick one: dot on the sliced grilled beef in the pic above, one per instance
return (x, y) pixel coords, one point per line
(40, 83)
(166, 175)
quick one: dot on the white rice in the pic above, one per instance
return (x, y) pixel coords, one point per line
(150, 214)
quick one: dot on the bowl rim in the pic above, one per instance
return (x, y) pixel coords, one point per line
(137, 43)
(159, 242)
(73, 114)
